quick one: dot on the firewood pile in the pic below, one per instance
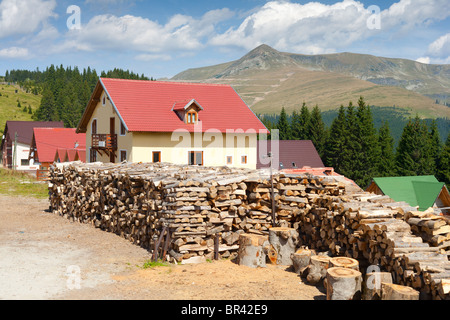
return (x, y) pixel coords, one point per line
(186, 212)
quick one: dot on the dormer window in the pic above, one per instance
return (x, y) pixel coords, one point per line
(192, 117)
(188, 111)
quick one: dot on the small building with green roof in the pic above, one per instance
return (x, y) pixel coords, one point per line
(423, 192)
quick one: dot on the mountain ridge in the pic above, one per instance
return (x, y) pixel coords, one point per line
(269, 79)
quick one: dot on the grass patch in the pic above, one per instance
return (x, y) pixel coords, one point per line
(10, 97)
(153, 264)
(14, 183)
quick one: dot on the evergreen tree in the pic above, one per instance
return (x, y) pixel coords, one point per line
(367, 150)
(317, 132)
(335, 144)
(386, 163)
(296, 128)
(269, 125)
(47, 110)
(351, 145)
(305, 117)
(443, 171)
(435, 147)
(413, 156)
(283, 126)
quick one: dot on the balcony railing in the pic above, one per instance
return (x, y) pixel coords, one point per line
(104, 141)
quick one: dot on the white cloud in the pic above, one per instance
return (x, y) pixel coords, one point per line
(14, 53)
(441, 47)
(24, 17)
(319, 28)
(425, 60)
(137, 34)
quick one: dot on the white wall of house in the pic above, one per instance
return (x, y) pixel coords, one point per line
(21, 162)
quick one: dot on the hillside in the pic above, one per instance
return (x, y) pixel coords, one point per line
(269, 80)
(9, 99)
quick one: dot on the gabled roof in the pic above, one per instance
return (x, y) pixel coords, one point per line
(418, 191)
(302, 153)
(48, 140)
(184, 105)
(147, 106)
(24, 129)
(60, 155)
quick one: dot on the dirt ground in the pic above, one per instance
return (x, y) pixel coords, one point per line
(46, 257)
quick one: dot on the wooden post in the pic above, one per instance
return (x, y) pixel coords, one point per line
(252, 250)
(397, 292)
(343, 284)
(155, 253)
(216, 247)
(166, 245)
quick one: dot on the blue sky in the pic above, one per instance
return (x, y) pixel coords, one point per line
(163, 38)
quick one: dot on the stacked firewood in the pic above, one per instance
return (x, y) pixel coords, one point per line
(434, 229)
(185, 212)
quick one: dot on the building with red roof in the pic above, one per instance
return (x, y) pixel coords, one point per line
(174, 122)
(16, 142)
(49, 143)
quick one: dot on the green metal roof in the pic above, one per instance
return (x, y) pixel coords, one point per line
(420, 191)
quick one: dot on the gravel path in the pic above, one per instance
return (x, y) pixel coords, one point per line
(46, 257)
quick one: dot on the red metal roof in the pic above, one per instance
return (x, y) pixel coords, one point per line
(49, 140)
(147, 106)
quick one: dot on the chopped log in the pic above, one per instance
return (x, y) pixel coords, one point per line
(301, 260)
(344, 262)
(252, 250)
(444, 287)
(372, 284)
(317, 270)
(343, 284)
(398, 292)
(284, 242)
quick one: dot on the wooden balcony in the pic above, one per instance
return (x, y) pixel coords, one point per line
(106, 142)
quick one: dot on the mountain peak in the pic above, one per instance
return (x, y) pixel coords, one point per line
(263, 57)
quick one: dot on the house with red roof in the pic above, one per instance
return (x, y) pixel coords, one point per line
(16, 142)
(52, 144)
(173, 122)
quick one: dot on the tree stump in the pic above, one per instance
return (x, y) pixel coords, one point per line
(372, 284)
(317, 269)
(397, 292)
(344, 262)
(343, 284)
(251, 250)
(283, 242)
(301, 260)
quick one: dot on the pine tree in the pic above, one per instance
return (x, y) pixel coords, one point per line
(283, 126)
(413, 156)
(305, 117)
(367, 152)
(386, 163)
(443, 170)
(296, 129)
(351, 146)
(435, 147)
(47, 110)
(317, 132)
(335, 144)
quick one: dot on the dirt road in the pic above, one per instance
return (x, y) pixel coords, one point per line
(46, 257)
